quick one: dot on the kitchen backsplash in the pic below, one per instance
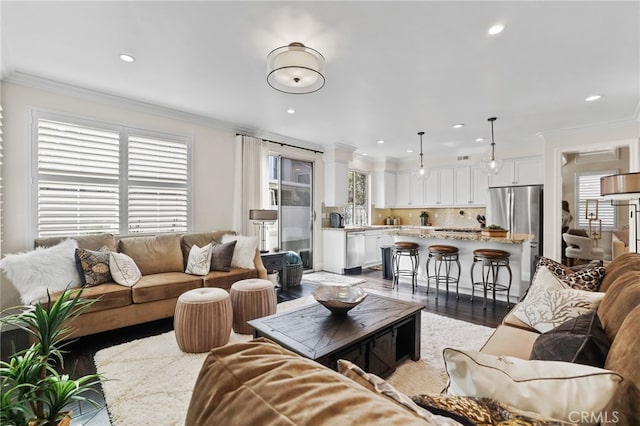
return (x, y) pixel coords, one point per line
(439, 217)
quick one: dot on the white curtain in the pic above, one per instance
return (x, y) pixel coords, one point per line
(251, 184)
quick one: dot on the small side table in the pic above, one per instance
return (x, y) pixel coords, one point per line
(276, 262)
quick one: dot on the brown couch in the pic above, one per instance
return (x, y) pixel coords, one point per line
(283, 388)
(161, 259)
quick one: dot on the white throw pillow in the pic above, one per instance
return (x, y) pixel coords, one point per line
(244, 252)
(123, 269)
(45, 268)
(560, 390)
(550, 302)
(199, 261)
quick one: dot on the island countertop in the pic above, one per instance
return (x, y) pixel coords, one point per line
(467, 236)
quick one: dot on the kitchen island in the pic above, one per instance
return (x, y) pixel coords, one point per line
(518, 245)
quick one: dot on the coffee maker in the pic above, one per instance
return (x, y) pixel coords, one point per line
(336, 220)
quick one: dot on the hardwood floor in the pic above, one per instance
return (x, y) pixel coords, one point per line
(79, 357)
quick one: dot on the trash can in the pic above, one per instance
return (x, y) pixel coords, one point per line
(387, 268)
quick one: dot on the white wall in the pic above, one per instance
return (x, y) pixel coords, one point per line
(623, 133)
(213, 159)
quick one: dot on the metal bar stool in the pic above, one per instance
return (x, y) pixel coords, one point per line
(447, 256)
(410, 250)
(492, 260)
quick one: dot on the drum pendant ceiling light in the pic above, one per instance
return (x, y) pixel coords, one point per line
(295, 69)
(490, 165)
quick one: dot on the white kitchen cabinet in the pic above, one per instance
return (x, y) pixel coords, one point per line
(371, 248)
(374, 240)
(403, 189)
(471, 185)
(334, 250)
(439, 188)
(384, 189)
(336, 183)
(417, 191)
(519, 171)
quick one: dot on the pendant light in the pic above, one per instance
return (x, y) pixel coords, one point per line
(421, 172)
(491, 165)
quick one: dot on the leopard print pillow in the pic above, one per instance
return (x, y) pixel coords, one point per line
(587, 278)
(481, 411)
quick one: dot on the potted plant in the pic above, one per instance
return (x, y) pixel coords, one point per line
(494, 231)
(34, 392)
(424, 218)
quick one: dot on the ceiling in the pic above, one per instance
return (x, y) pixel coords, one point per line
(392, 68)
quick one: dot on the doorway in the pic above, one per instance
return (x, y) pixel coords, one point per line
(291, 193)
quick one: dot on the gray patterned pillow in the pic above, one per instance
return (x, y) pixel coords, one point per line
(93, 266)
(221, 256)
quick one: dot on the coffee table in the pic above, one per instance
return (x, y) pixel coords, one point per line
(376, 335)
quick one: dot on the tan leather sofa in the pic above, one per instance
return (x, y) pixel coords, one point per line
(284, 388)
(161, 259)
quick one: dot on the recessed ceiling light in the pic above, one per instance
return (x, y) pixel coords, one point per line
(127, 58)
(593, 98)
(457, 126)
(496, 29)
(364, 154)
(380, 141)
(291, 111)
(409, 150)
(480, 140)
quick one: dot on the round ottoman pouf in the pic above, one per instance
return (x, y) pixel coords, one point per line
(251, 299)
(203, 319)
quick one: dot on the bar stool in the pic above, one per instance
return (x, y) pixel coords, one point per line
(447, 256)
(492, 260)
(406, 249)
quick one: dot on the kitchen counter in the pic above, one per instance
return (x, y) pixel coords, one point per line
(468, 236)
(517, 245)
(362, 228)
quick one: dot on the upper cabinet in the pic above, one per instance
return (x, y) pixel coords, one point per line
(520, 171)
(471, 185)
(336, 183)
(439, 187)
(384, 189)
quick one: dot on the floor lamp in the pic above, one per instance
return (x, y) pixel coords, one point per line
(262, 218)
(624, 187)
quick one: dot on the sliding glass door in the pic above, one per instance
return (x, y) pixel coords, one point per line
(291, 193)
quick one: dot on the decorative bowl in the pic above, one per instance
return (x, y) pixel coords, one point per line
(339, 299)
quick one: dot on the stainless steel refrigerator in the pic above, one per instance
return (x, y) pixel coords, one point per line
(518, 209)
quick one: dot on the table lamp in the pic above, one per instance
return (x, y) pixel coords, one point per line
(262, 218)
(624, 187)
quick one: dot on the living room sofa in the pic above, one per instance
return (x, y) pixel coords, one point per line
(161, 259)
(284, 388)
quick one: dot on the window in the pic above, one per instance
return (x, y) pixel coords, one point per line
(357, 210)
(587, 192)
(93, 177)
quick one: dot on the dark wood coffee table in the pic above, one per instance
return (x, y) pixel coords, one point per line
(375, 335)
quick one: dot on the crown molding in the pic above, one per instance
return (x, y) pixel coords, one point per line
(600, 125)
(41, 83)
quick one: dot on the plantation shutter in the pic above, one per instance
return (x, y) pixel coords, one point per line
(588, 188)
(158, 180)
(78, 170)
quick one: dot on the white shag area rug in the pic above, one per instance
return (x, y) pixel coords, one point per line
(331, 278)
(149, 381)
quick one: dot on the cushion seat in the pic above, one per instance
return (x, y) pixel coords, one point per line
(225, 280)
(510, 341)
(109, 295)
(166, 285)
(444, 249)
